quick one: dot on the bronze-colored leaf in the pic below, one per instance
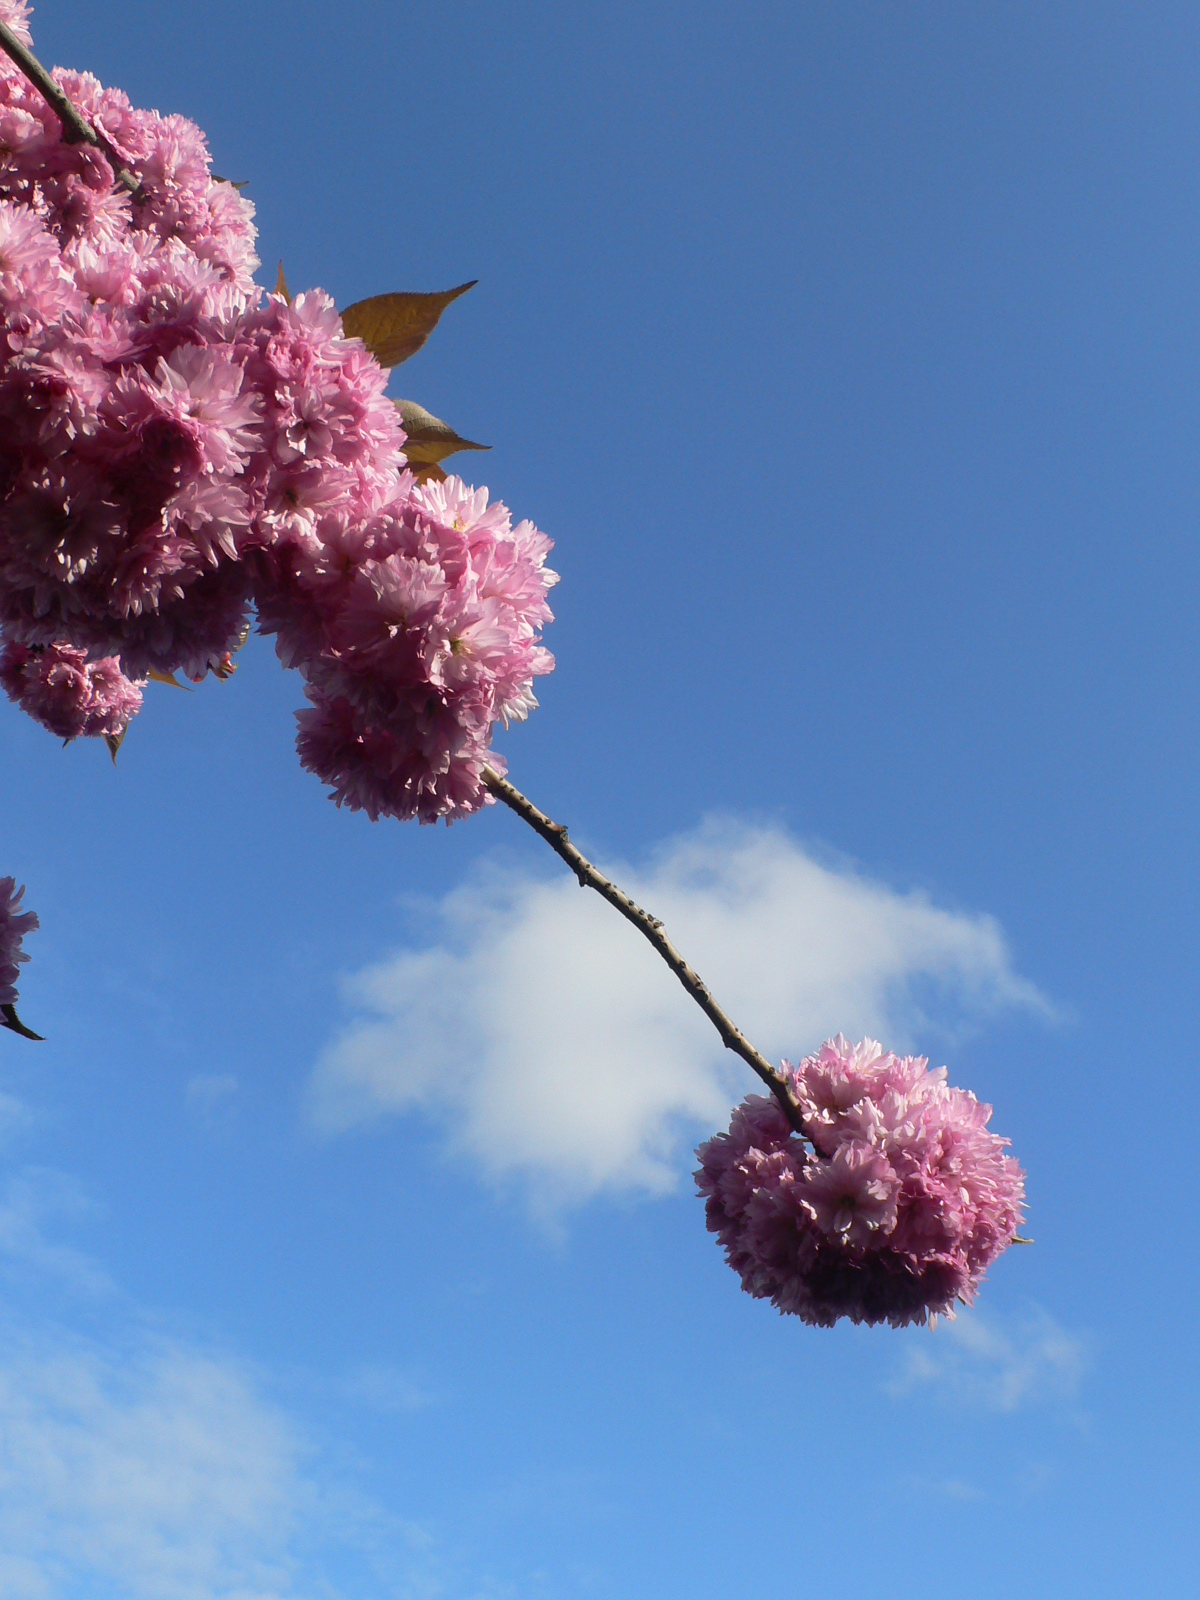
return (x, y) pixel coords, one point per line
(232, 182)
(114, 741)
(9, 1019)
(430, 440)
(156, 676)
(281, 285)
(429, 472)
(395, 326)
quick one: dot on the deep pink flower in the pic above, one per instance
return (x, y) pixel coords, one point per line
(14, 925)
(68, 694)
(905, 1203)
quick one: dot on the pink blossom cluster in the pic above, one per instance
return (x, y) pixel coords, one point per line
(894, 1214)
(416, 630)
(176, 447)
(14, 925)
(68, 694)
(125, 421)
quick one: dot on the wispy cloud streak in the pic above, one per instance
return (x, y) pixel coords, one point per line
(999, 1366)
(163, 1473)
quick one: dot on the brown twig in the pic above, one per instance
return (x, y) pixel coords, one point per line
(651, 928)
(76, 129)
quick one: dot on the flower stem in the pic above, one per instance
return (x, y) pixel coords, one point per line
(76, 130)
(651, 928)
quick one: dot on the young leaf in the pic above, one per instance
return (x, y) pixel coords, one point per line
(114, 742)
(166, 677)
(395, 326)
(281, 285)
(10, 1019)
(430, 441)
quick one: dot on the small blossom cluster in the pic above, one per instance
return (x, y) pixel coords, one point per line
(177, 447)
(68, 694)
(894, 1214)
(14, 925)
(416, 630)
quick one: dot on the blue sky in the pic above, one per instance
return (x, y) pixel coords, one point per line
(347, 1246)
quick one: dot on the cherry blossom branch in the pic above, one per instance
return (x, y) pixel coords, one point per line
(650, 928)
(76, 129)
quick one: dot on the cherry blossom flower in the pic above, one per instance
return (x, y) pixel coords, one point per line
(175, 446)
(417, 630)
(16, 14)
(895, 1212)
(68, 694)
(14, 925)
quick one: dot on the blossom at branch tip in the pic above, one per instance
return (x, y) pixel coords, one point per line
(14, 925)
(895, 1212)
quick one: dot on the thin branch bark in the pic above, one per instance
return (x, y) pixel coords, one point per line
(76, 129)
(651, 929)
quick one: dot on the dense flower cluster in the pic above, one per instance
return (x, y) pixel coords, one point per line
(896, 1213)
(416, 630)
(14, 925)
(176, 447)
(125, 422)
(68, 694)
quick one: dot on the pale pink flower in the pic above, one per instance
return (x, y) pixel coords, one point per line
(24, 242)
(852, 1194)
(15, 13)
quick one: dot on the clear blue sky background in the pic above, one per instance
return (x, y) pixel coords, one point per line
(848, 352)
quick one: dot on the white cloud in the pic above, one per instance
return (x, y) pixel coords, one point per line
(207, 1090)
(381, 1387)
(999, 1366)
(552, 1043)
(147, 1469)
(212, 1098)
(15, 1116)
(164, 1474)
(30, 1199)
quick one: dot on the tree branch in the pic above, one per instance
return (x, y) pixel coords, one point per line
(650, 928)
(76, 130)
